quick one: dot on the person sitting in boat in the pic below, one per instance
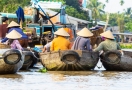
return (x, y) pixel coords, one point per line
(47, 47)
(69, 31)
(109, 43)
(60, 42)
(3, 27)
(12, 39)
(82, 42)
(14, 26)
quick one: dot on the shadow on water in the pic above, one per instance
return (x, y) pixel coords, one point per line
(97, 79)
(12, 76)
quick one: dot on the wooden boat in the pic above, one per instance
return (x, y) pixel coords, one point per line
(69, 60)
(30, 59)
(10, 61)
(115, 61)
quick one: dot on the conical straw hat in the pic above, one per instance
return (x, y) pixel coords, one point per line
(14, 35)
(85, 33)
(61, 32)
(107, 34)
(13, 24)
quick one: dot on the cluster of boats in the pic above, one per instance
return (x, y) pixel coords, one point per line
(12, 61)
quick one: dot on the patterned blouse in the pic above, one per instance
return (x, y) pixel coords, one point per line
(16, 45)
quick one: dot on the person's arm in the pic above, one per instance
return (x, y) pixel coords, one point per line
(99, 48)
(118, 47)
(44, 49)
(88, 46)
(18, 45)
(52, 46)
(4, 40)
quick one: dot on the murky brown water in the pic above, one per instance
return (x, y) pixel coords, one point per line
(79, 80)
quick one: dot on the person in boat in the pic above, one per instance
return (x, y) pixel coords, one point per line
(3, 27)
(60, 42)
(47, 47)
(82, 42)
(13, 37)
(109, 42)
(14, 26)
(69, 31)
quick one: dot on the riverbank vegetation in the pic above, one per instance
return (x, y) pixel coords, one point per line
(74, 8)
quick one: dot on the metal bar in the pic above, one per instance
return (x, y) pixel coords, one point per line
(47, 17)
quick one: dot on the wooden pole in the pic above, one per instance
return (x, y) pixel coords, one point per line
(21, 23)
(107, 20)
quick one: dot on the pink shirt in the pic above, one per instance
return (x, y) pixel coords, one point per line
(16, 45)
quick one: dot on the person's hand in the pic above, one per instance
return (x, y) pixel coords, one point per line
(44, 49)
(121, 52)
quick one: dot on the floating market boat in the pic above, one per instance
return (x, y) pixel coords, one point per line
(69, 60)
(10, 60)
(115, 61)
(30, 59)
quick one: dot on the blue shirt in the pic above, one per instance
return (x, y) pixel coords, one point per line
(24, 36)
(81, 43)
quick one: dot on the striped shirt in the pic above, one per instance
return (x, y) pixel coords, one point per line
(81, 43)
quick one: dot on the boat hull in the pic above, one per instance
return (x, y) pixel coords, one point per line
(11, 68)
(76, 60)
(124, 63)
(30, 59)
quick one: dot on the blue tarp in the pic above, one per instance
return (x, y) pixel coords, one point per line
(20, 14)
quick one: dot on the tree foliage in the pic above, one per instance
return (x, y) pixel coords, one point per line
(11, 6)
(97, 9)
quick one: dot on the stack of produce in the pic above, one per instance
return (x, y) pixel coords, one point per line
(126, 45)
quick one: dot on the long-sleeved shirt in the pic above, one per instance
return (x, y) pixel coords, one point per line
(60, 43)
(24, 36)
(3, 30)
(81, 43)
(16, 45)
(108, 45)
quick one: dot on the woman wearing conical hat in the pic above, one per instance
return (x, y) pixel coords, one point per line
(13, 42)
(82, 42)
(109, 43)
(14, 26)
(60, 42)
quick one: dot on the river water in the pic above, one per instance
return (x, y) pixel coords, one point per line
(98, 79)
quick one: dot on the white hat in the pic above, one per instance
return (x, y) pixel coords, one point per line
(13, 35)
(107, 34)
(61, 32)
(13, 24)
(85, 33)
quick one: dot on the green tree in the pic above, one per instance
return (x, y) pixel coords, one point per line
(12, 5)
(128, 12)
(122, 2)
(97, 8)
(128, 26)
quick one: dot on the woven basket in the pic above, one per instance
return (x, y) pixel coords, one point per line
(4, 46)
